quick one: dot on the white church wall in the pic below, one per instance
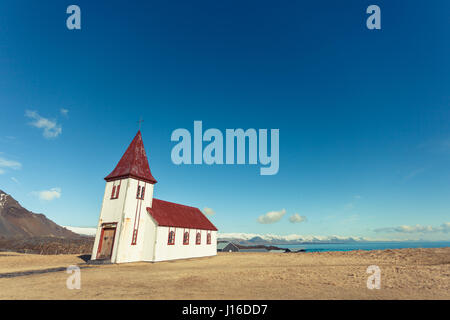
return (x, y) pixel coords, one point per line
(123, 211)
(148, 248)
(111, 212)
(164, 251)
(135, 217)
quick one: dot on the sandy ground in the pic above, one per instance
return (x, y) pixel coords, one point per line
(405, 274)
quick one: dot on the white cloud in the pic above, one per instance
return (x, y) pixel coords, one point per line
(208, 211)
(15, 180)
(296, 218)
(445, 228)
(64, 112)
(271, 217)
(49, 195)
(9, 164)
(51, 128)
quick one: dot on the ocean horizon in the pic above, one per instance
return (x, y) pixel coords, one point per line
(369, 245)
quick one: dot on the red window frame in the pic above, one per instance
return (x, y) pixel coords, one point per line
(208, 238)
(186, 239)
(171, 241)
(115, 192)
(140, 192)
(198, 237)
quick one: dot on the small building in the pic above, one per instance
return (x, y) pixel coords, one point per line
(135, 226)
(227, 247)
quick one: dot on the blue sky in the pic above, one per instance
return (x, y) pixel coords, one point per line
(364, 115)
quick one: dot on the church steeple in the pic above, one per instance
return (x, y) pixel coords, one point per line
(133, 163)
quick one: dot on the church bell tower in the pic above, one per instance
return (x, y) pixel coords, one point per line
(128, 192)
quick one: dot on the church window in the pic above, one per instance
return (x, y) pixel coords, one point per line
(171, 237)
(115, 192)
(208, 238)
(198, 238)
(140, 193)
(186, 237)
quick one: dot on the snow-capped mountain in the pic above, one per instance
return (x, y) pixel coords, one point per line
(18, 222)
(273, 239)
(84, 231)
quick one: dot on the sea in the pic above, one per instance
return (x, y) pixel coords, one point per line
(376, 245)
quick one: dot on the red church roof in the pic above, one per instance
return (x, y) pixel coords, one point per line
(134, 163)
(171, 214)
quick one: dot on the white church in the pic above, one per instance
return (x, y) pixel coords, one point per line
(134, 226)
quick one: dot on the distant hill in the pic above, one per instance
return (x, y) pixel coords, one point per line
(18, 222)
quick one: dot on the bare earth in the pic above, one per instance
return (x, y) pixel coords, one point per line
(405, 274)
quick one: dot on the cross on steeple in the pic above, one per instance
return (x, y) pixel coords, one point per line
(140, 122)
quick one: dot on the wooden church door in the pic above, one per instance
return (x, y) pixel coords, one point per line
(106, 243)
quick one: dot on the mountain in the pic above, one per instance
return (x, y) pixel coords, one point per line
(18, 222)
(272, 239)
